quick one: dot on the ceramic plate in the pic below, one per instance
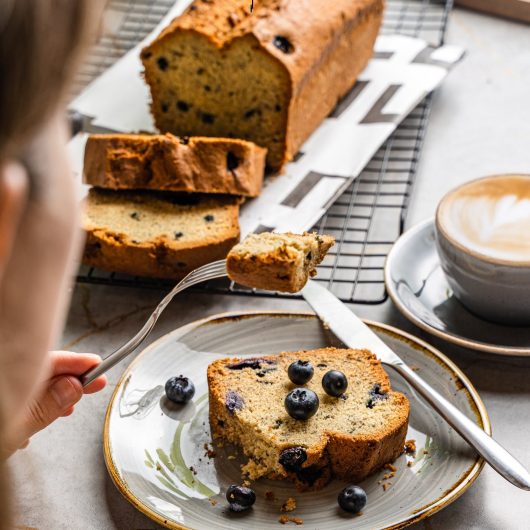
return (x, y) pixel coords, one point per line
(156, 452)
(417, 285)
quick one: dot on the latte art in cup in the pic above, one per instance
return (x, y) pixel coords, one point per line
(490, 217)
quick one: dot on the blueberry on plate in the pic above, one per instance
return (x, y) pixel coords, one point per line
(179, 389)
(300, 372)
(301, 403)
(334, 383)
(352, 499)
(240, 498)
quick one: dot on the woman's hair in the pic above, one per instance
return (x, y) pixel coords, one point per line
(41, 44)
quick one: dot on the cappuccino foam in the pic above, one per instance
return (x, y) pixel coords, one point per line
(490, 217)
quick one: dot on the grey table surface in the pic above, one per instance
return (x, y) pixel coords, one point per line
(480, 125)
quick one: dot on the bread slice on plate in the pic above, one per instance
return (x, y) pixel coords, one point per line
(349, 437)
(158, 235)
(277, 262)
(166, 162)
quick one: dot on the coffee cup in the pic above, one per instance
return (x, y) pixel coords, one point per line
(483, 240)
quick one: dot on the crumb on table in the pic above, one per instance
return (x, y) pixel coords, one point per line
(269, 495)
(289, 505)
(213, 502)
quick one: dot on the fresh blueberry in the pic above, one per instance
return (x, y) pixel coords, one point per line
(240, 498)
(352, 499)
(301, 403)
(300, 372)
(334, 383)
(180, 389)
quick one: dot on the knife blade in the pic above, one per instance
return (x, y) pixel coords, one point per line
(347, 326)
(353, 332)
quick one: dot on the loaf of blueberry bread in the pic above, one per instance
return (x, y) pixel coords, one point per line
(270, 77)
(162, 235)
(277, 262)
(348, 437)
(166, 162)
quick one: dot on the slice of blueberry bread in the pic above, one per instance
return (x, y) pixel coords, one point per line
(277, 262)
(162, 235)
(166, 162)
(348, 437)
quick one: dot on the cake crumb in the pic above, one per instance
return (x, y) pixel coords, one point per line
(390, 467)
(158, 467)
(386, 485)
(213, 502)
(410, 447)
(425, 452)
(289, 505)
(231, 457)
(269, 495)
(284, 519)
(410, 463)
(210, 453)
(247, 483)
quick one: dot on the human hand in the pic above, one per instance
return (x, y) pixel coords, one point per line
(59, 395)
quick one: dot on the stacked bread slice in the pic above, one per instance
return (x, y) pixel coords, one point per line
(162, 206)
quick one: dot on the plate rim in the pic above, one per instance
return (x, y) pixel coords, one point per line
(449, 496)
(507, 351)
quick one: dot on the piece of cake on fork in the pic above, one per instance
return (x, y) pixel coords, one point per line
(277, 262)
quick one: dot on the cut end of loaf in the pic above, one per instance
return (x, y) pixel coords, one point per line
(198, 88)
(277, 262)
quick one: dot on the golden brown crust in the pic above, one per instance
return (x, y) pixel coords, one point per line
(166, 162)
(331, 452)
(325, 45)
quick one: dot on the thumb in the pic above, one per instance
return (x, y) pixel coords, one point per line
(61, 394)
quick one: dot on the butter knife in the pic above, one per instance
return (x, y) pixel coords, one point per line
(354, 333)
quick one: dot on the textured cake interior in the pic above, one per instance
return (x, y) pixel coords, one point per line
(192, 79)
(181, 219)
(281, 262)
(354, 434)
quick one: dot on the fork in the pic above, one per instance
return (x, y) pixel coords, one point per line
(216, 269)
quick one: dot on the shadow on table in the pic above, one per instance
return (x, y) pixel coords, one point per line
(124, 515)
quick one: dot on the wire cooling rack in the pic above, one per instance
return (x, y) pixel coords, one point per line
(369, 216)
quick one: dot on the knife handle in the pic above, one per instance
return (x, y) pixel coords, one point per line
(492, 452)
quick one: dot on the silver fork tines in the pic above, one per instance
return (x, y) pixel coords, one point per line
(216, 269)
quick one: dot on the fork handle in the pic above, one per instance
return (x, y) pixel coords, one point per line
(123, 351)
(496, 456)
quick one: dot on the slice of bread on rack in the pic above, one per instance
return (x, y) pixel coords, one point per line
(166, 162)
(349, 437)
(277, 262)
(161, 235)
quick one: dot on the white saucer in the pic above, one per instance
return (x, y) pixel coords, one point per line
(417, 285)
